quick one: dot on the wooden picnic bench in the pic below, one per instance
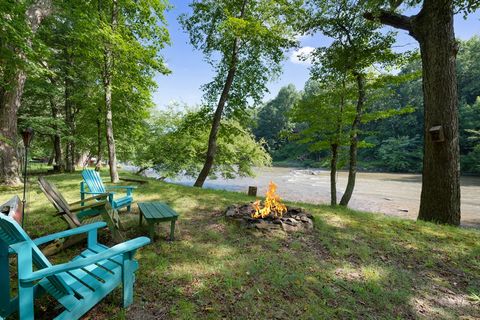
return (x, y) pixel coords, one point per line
(156, 212)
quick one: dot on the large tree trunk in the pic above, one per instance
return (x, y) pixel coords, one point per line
(107, 84)
(10, 99)
(217, 117)
(433, 29)
(352, 169)
(440, 198)
(333, 174)
(9, 105)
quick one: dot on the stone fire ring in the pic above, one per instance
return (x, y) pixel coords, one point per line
(294, 220)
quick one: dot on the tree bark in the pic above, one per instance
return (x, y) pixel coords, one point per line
(107, 84)
(10, 100)
(352, 169)
(433, 28)
(440, 197)
(57, 142)
(333, 174)
(9, 106)
(334, 147)
(98, 164)
(217, 117)
(51, 157)
(69, 114)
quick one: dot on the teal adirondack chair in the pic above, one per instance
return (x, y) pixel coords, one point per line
(77, 285)
(95, 187)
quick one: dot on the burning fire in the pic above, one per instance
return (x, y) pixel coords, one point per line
(272, 205)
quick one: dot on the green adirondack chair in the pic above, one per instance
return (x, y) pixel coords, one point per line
(77, 285)
(76, 214)
(95, 186)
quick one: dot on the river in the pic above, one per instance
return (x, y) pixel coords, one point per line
(392, 194)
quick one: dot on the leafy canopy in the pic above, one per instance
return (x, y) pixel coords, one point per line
(262, 29)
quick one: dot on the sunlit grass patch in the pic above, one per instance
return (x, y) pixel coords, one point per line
(353, 265)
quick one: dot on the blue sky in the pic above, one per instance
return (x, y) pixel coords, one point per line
(189, 71)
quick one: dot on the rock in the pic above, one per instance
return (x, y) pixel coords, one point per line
(308, 225)
(289, 228)
(231, 212)
(291, 221)
(264, 225)
(294, 220)
(304, 219)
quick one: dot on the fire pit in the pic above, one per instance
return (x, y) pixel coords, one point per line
(274, 215)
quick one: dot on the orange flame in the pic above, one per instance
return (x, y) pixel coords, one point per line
(272, 205)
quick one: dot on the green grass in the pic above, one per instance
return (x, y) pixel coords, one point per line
(353, 265)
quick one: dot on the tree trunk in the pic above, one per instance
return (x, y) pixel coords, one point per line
(107, 84)
(440, 198)
(10, 99)
(335, 146)
(352, 169)
(217, 117)
(333, 174)
(433, 29)
(69, 115)
(212, 139)
(9, 105)
(98, 164)
(57, 142)
(51, 157)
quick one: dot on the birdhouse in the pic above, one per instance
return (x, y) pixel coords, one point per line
(437, 134)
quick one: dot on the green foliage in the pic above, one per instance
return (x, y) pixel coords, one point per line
(471, 161)
(176, 145)
(272, 118)
(72, 47)
(326, 110)
(464, 6)
(357, 43)
(402, 154)
(260, 30)
(468, 69)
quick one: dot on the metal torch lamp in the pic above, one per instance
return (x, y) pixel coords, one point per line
(27, 136)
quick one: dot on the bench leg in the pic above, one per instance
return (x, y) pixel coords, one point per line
(172, 229)
(151, 229)
(141, 217)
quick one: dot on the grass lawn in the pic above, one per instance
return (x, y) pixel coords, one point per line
(354, 265)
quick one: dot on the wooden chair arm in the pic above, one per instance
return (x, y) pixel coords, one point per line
(98, 196)
(122, 187)
(70, 232)
(121, 248)
(88, 206)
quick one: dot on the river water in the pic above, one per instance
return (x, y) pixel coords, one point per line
(392, 194)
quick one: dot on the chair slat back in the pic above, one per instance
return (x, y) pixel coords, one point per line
(12, 233)
(55, 197)
(94, 181)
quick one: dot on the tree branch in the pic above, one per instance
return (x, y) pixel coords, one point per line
(392, 19)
